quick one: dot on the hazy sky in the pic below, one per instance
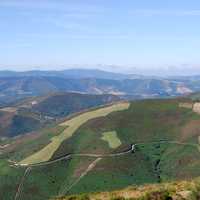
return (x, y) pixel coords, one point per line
(43, 34)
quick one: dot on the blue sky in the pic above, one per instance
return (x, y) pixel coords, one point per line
(122, 33)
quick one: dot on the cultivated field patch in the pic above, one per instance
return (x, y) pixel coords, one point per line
(112, 139)
(9, 109)
(190, 129)
(186, 105)
(196, 108)
(72, 125)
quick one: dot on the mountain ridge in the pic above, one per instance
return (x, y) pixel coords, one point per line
(14, 88)
(69, 73)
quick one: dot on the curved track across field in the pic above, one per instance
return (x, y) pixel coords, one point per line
(98, 158)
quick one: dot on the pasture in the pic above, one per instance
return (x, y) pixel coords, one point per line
(71, 126)
(112, 139)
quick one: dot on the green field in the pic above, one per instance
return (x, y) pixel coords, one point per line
(72, 125)
(9, 180)
(144, 122)
(112, 139)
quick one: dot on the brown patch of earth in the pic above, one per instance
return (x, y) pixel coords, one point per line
(5, 119)
(196, 108)
(9, 109)
(184, 195)
(82, 166)
(182, 89)
(190, 130)
(186, 105)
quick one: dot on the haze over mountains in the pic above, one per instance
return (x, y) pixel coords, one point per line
(17, 85)
(69, 73)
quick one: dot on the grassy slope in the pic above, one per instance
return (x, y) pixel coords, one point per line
(12, 124)
(63, 104)
(145, 121)
(174, 190)
(152, 163)
(72, 125)
(9, 179)
(31, 145)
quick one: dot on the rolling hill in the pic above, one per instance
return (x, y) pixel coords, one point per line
(92, 151)
(63, 104)
(35, 113)
(13, 124)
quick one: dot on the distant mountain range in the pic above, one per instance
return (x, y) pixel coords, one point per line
(69, 73)
(18, 85)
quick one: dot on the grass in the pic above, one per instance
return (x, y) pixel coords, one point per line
(31, 145)
(43, 182)
(115, 173)
(112, 139)
(166, 191)
(9, 179)
(72, 125)
(143, 121)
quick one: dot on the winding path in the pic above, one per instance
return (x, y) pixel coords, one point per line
(68, 156)
(65, 157)
(93, 164)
